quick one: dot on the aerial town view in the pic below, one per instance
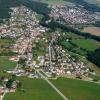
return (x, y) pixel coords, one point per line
(49, 49)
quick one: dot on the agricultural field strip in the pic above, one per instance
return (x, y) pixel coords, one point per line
(53, 86)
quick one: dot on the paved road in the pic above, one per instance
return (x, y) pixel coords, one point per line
(4, 95)
(50, 55)
(54, 87)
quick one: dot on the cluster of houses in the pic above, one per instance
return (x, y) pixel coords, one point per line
(23, 20)
(64, 64)
(23, 46)
(58, 62)
(72, 15)
(55, 61)
(20, 71)
(24, 25)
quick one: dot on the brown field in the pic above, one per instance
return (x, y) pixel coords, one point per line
(92, 30)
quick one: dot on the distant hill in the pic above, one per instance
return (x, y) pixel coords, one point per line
(86, 5)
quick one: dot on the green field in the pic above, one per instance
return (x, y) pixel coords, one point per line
(35, 89)
(5, 45)
(53, 2)
(38, 89)
(66, 44)
(78, 90)
(78, 44)
(5, 64)
(97, 2)
(6, 42)
(87, 44)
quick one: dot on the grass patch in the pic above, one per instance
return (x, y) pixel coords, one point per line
(6, 42)
(39, 17)
(78, 90)
(5, 45)
(35, 89)
(6, 64)
(38, 89)
(66, 44)
(87, 44)
(52, 1)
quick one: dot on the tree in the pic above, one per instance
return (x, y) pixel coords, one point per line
(95, 57)
(9, 83)
(22, 61)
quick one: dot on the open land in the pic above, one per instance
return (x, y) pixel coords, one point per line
(6, 64)
(78, 90)
(88, 44)
(54, 2)
(38, 89)
(35, 89)
(92, 30)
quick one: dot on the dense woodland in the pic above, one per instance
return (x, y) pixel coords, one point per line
(95, 57)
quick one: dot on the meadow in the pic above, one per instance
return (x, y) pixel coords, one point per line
(38, 89)
(87, 44)
(52, 1)
(5, 64)
(34, 89)
(78, 90)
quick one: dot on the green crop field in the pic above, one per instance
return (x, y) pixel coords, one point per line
(38, 89)
(78, 90)
(6, 42)
(53, 2)
(66, 44)
(88, 44)
(35, 89)
(5, 64)
(4, 45)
